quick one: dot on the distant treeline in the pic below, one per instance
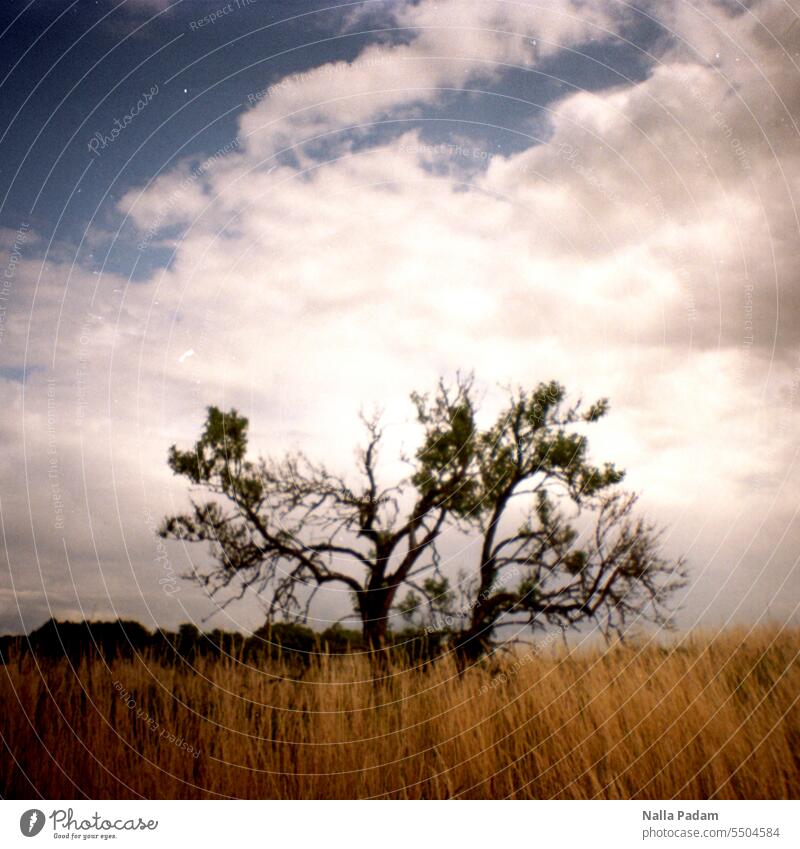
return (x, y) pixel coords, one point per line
(126, 638)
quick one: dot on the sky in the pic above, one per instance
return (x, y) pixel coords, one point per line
(306, 209)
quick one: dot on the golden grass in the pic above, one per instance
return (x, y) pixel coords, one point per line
(714, 716)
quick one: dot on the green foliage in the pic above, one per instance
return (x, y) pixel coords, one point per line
(284, 638)
(339, 640)
(409, 605)
(220, 449)
(448, 449)
(531, 438)
(437, 590)
(434, 597)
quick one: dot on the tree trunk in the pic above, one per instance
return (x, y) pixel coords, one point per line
(471, 644)
(476, 640)
(375, 605)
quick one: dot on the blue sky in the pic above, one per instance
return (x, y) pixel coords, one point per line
(73, 69)
(304, 209)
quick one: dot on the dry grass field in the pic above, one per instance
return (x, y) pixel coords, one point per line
(711, 716)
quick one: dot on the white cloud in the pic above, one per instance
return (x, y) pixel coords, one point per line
(455, 44)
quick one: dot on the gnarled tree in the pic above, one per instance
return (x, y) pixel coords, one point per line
(282, 525)
(559, 542)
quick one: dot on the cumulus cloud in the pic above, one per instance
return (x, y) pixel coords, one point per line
(452, 45)
(646, 252)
